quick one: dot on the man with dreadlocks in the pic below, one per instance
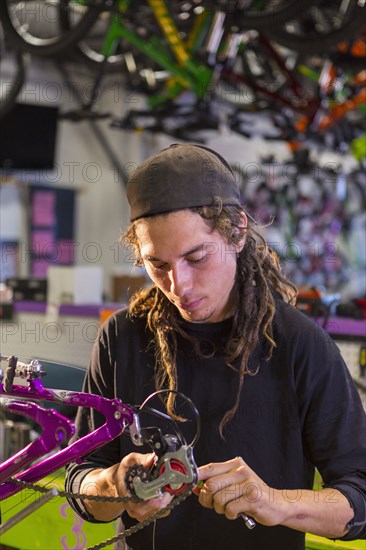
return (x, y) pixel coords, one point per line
(218, 324)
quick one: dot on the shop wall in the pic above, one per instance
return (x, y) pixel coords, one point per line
(82, 164)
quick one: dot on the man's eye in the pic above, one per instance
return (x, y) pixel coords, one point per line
(197, 260)
(159, 266)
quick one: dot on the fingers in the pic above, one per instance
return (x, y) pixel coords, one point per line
(146, 460)
(144, 510)
(230, 487)
(233, 489)
(221, 489)
(218, 468)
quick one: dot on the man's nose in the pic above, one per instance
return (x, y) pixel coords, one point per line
(180, 281)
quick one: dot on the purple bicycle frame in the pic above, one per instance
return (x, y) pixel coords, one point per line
(118, 417)
(55, 430)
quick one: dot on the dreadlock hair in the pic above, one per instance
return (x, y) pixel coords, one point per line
(258, 278)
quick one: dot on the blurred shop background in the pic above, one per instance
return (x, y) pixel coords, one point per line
(88, 90)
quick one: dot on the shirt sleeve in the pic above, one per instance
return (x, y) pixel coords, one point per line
(350, 488)
(99, 380)
(333, 423)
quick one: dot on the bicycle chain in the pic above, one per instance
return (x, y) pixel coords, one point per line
(66, 494)
(141, 525)
(82, 496)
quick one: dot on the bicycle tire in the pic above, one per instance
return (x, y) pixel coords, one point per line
(14, 85)
(87, 48)
(315, 42)
(142, 74)
(275, 12)
(21, 38)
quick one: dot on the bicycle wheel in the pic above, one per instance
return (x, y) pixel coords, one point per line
(260, 79)
(12, 75)
(33, 25)
(143, 74)
(321, 26)
(260, 15)
(125, 57)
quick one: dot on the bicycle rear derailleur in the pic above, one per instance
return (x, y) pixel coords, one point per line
(173, 472)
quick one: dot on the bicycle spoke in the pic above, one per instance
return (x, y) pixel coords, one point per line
(33, 25)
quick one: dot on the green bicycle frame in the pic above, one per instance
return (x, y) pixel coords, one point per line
(186, 72)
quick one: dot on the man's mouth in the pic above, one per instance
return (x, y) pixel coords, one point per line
(190, 306)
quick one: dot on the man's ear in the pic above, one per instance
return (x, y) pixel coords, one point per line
(243, 230)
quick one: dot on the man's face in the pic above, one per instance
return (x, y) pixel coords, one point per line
(191, 264)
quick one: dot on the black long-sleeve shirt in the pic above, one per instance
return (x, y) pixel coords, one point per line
(301, 411)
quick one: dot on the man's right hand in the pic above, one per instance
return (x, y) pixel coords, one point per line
(144, 509)
(111, 482)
